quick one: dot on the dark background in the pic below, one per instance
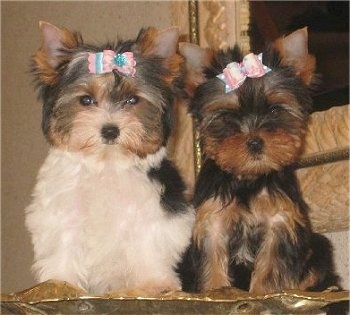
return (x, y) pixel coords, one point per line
(328, 27)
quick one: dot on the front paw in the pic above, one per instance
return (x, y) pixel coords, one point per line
(161, 287)
(216, 281)
(147, 290)
(272, 282)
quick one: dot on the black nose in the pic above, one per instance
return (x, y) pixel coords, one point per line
(255, 145)
(110, 132)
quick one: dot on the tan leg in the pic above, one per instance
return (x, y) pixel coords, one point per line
(212, 238)
(280, 259)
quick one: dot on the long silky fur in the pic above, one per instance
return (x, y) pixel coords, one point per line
(108, 214)
(252, 227)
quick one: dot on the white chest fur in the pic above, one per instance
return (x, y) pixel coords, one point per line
(99, 224)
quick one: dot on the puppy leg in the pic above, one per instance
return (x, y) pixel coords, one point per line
(280, 261)
(214, 264)
(211, 238)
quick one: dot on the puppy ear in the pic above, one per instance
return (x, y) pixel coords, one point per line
(294, 52)
(55, 45)
(163, 44)
(160, 43)
(196, 60)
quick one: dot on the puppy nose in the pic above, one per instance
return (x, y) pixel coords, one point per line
(110, 132)
(255, 145)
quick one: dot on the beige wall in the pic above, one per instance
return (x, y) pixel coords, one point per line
(23, 146)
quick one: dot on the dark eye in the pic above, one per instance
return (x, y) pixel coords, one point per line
(275, 109)
(87, 100)
(132, 100)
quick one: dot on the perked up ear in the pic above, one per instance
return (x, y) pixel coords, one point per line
(196, 60)
(294, 52)
(160, 43)
(55, 42)
(163, 44)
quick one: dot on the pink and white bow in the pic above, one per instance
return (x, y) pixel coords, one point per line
(235, 73)
(108, 60)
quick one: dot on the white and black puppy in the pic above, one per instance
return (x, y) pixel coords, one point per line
(108, 210)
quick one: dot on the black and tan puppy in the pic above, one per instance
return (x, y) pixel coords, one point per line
(252, 227)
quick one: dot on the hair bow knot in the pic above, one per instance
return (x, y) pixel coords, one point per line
(235, 73)
(108, 60)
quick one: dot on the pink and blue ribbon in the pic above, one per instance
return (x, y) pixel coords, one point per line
(108, 60)
(235, 73)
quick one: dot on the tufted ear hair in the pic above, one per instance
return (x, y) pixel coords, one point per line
(162, 43)
(294, 52)
(54, 49)
(197, 59)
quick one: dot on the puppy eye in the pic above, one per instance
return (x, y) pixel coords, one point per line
(275, 109)
(132, 100)
(87, 100)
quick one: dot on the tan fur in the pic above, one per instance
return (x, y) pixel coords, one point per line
(150, 119)
(242, 162)
(211, 232)
(214, 223)
(263, 225)
(48, 74)
(197, 59)
(45, 59)
(310, 280)
(280, 214)
(146, 42)
(305, 63)
(173, 65)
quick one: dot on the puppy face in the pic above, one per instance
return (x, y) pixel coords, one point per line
(258, 127)
(90, 112)
(100, 111)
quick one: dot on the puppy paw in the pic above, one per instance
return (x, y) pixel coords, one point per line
(157, 287)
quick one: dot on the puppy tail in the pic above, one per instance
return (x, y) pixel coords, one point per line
(320, 273)
(321, 264)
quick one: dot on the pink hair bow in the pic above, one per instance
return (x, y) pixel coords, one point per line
(108, 60)
(235, 73)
